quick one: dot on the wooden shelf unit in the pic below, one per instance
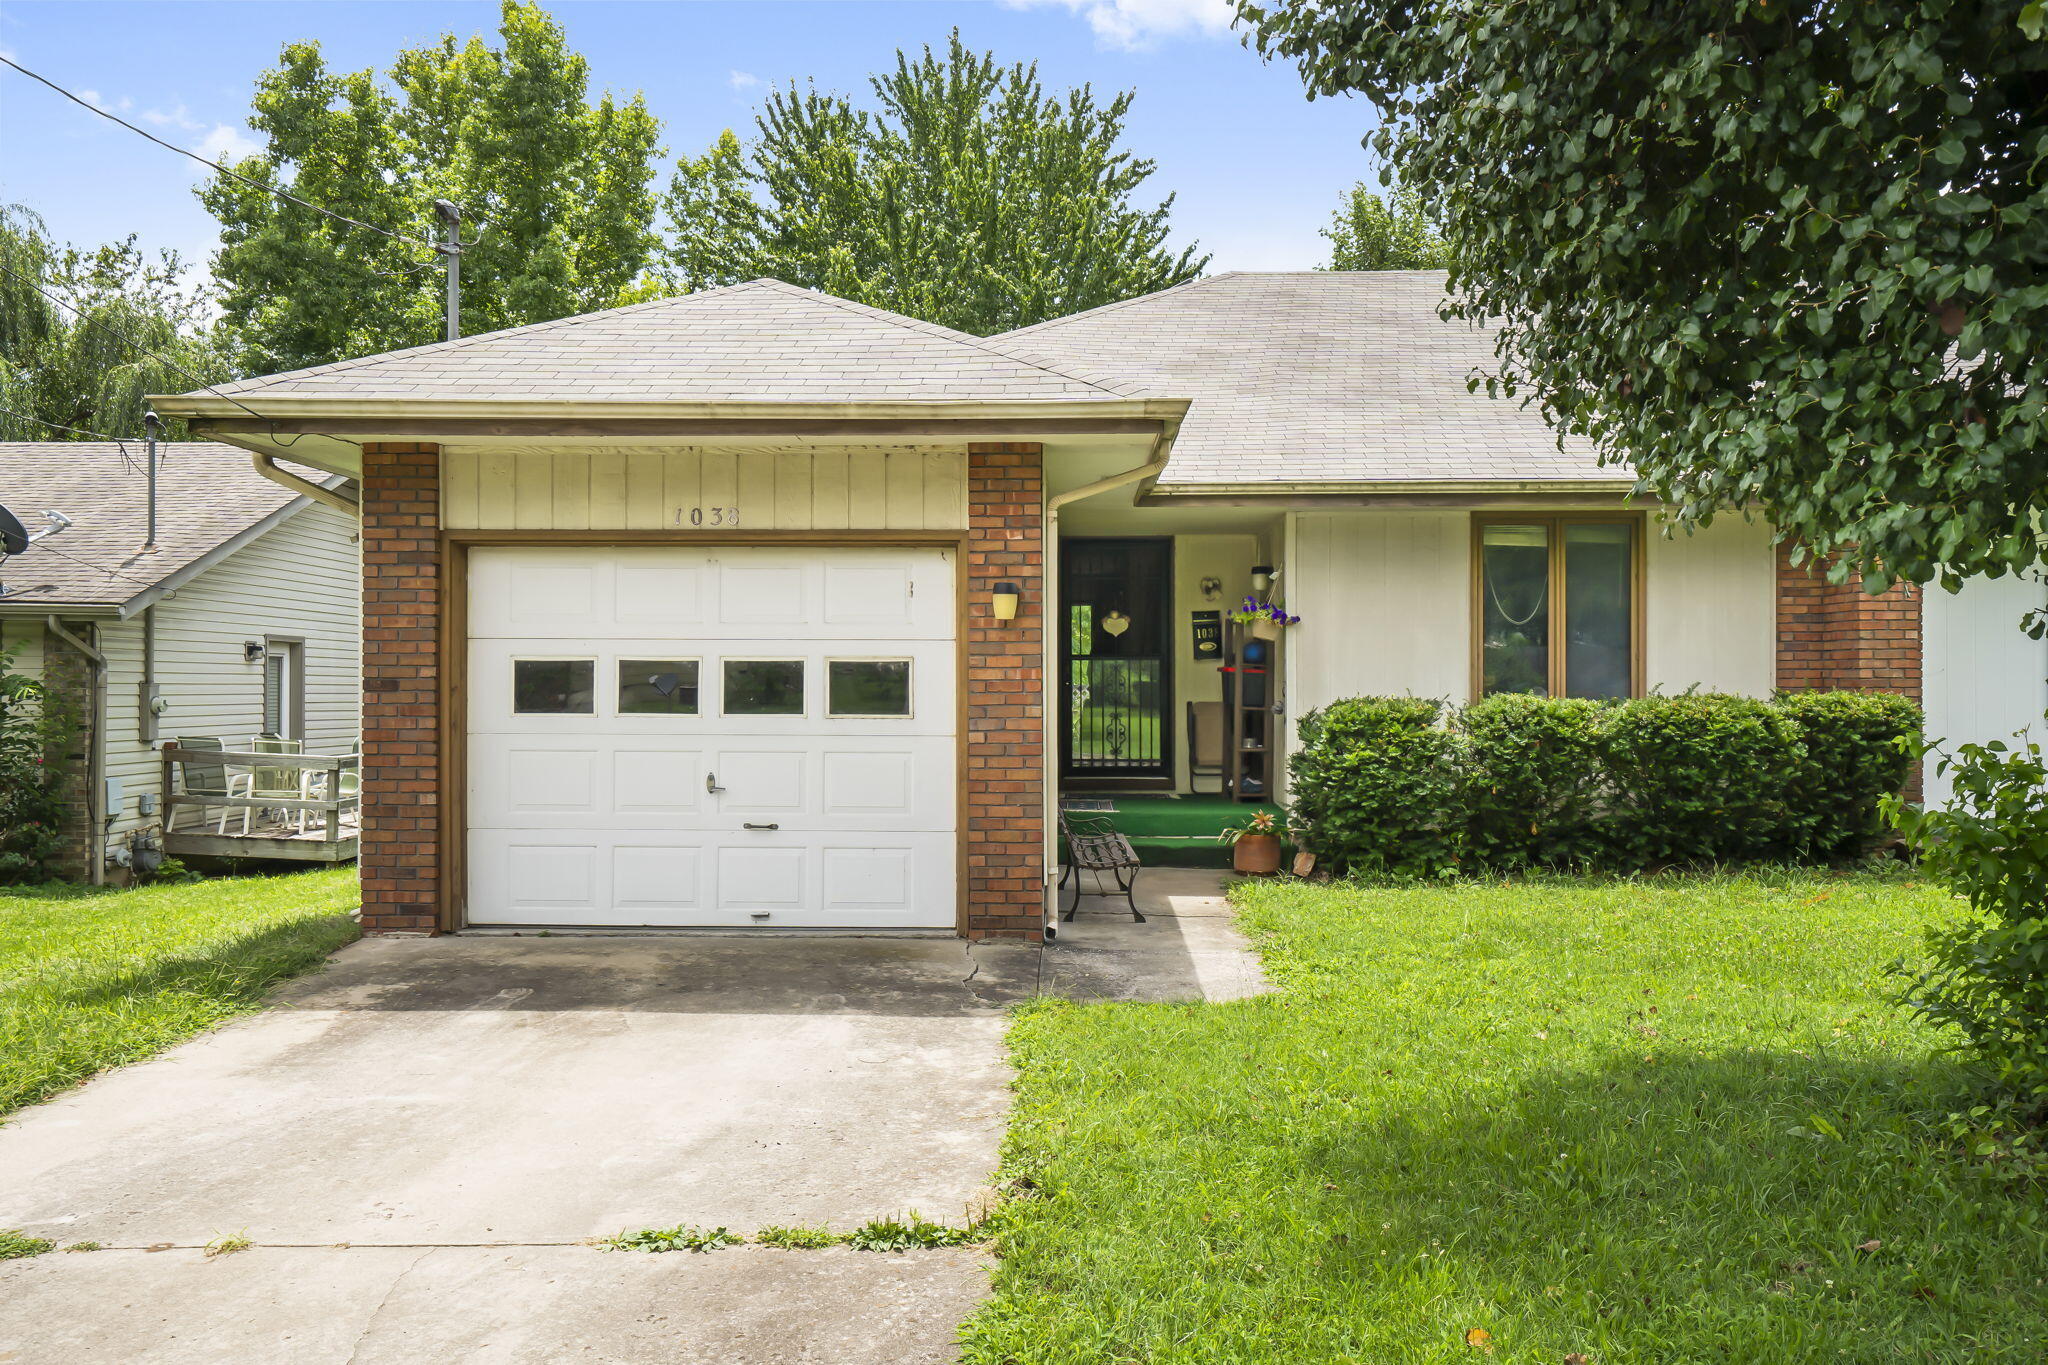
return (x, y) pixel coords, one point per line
(1251, 715)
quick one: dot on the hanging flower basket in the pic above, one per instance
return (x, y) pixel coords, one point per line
(1265, 619)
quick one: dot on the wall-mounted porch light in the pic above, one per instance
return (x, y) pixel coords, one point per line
(253, 651)
(1003, 601)
(1262, 577)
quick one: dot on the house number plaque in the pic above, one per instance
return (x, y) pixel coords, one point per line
(707, 516)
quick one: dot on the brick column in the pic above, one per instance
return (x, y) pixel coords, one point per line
(1005, 741)
(401, 814)
(68, 682)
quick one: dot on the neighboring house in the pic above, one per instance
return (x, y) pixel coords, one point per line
(243, 620)
(697, 612)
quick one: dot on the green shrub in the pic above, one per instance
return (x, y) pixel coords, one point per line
(1858, 750)
(1375, 783)
(1988, 977)
(1535, 780)
(35, 730)
(1701, 777)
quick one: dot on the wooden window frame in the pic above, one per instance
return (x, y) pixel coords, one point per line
(1555, 522)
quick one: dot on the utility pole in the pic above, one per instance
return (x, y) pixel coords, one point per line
(451, 249)
(152, 425)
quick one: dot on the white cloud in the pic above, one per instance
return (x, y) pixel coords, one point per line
(180, 117)
(1139, 23)
(743, 80)
(227, 143)
(92, 97)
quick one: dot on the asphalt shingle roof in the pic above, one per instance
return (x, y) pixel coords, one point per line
(759, 342)
(206, 495)
(1314, 377)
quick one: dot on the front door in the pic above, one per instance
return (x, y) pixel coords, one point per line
(1117, 604)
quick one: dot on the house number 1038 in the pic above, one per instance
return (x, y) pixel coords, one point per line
(707, 516)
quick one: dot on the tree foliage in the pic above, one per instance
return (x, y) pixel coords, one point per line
(967, 196)
(1368, 232)
(81, 333)
(1780, 252)
(556, 190)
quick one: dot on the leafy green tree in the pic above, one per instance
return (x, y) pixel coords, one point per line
(556, 191)
(1781, 252)
(967, 197)
(1394, 233)
(85, 335)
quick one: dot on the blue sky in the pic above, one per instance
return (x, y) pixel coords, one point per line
(1257, 168)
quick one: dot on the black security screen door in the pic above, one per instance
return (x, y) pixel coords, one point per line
(1117, 657)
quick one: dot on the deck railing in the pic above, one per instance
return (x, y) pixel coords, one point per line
(332, 845)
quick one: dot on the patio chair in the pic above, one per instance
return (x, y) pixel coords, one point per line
(204, 779)
(278, 784)
(1095, 845)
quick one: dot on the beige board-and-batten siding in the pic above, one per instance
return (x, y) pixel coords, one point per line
(1385, 598)
(863, 488)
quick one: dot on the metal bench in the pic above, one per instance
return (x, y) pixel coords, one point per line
(1094, 845)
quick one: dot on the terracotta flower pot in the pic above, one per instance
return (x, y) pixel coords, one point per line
(1256, 854)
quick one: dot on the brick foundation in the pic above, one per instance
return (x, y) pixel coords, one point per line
(401, 815)
(1005, 744)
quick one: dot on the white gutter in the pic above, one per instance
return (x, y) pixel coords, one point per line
(1049, 662)
(269, 468)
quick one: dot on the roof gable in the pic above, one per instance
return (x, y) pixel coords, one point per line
(763, 341)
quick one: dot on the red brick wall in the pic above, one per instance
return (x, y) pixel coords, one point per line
(1005, 743)
(1838, 636)
(401, 816)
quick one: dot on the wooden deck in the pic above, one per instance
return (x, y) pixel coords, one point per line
(332, 818)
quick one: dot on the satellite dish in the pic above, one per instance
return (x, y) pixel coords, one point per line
(13, 535)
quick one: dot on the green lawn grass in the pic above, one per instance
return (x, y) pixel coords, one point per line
(1655, 1121)
(93, 979)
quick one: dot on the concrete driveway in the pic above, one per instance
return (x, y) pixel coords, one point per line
(419, 1140)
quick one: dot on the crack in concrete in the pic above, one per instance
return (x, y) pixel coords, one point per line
(370, 1323)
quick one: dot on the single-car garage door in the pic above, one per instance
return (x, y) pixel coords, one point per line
(725, 737)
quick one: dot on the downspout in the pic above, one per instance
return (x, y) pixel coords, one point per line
(268, 467)
(1049, 665)
(96, 753)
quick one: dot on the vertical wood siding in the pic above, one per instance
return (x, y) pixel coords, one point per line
(303, 578)
(1709, 612)
(871, 488)
(1983, 679)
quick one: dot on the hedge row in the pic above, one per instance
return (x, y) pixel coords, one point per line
(1408, 786)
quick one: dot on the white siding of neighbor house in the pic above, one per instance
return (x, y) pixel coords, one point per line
(870, 488)
(1710, 609)
(1982, 678)
(300, 579)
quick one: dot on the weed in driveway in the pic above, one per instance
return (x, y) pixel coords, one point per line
(681, 1237)
(228, 1245)
(797, 1239)
(907, 1233)
(14, 1245)
(84, 1246)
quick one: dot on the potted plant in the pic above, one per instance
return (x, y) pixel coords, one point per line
(1254, 845)
(1265, 618)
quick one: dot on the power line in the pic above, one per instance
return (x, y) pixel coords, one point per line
(85, 317)
(233, 175)
(59, 426)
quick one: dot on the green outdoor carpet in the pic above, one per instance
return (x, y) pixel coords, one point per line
(1175, 831)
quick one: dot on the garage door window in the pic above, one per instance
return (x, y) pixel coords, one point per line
(650, 687)
(867, 687)
(764, 687)
(565, 687)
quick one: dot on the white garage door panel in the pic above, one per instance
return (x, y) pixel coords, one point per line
(602, 817)
(766, 879)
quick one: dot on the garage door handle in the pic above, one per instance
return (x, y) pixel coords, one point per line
(760, 826)
(711, 784)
